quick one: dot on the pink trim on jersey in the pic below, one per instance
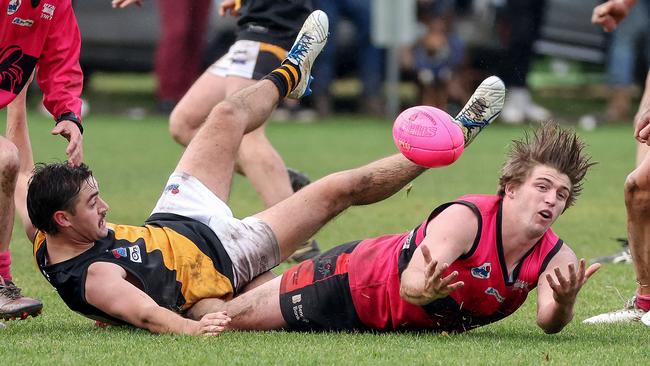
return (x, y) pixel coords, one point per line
(489, 294)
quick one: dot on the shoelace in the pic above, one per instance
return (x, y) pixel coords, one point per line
(477, 108)
(9, 290)
(300, 49)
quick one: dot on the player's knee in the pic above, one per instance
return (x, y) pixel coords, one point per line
(9, 159)
(225, 114)
(180, 127)
(637, 191)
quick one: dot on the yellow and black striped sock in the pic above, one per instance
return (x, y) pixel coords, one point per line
(285, 78)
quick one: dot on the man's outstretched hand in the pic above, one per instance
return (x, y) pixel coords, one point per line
(70, 131)
(212, 324)
(565, 290)
(435, 286)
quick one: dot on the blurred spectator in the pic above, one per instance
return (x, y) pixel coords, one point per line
(177, 64)
(621, 64)
(369, 59)
(521, 22)
(437, 55)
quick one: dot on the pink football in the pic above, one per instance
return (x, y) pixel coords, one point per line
(428, 136)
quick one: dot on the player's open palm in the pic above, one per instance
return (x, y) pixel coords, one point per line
(213, 324)
(565, 289)
(436, 286)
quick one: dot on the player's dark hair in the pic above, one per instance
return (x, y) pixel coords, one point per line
(54, 187)
(552, 146)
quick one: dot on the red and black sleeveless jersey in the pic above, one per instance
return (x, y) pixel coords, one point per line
(276, 22)
(490, 292)
(173, 259)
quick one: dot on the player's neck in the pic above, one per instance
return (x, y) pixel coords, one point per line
(61, 248)
(516, 239)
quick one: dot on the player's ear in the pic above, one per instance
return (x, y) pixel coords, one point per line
(62, 219)
(510, 190)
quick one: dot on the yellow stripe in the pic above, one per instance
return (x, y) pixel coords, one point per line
(277, 51)
(286, 76)
(237, 4)
(293, 70)
(194, 270)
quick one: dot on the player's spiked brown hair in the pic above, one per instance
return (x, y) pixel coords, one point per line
(549, 145)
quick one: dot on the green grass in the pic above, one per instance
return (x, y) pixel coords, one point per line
(132, 159)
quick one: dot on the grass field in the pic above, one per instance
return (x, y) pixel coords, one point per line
(132, 160)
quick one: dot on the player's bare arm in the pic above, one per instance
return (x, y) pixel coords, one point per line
(17, 132)
(137, 308)
(558, 288)
(422, 281)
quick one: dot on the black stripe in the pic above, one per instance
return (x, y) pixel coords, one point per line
(201, 235)
(292, 80)
(550, 256)
(408, 250)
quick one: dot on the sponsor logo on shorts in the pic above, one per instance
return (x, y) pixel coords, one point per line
(325, 267)
(22, 22)
(119, 252)
(173, 188)
(48, 11)
(296, 299)
(134, 254)
(13, 6)
(492, 291)
(483, 271)
(239, 57)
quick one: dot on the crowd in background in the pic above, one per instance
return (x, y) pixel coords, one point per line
(443, 64)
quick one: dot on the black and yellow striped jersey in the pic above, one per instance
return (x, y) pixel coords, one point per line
(173, 259)
(275, 22)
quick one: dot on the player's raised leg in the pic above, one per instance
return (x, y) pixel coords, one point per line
(210, 156)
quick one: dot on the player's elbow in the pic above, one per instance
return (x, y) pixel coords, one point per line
(552, 326)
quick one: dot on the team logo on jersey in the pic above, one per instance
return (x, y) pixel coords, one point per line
(173, 188)
(13, 6)
(134, 254)
(521, 285)
(119, 252)
(483, 271)
(492, 291)
(48, 11)
(22, 22)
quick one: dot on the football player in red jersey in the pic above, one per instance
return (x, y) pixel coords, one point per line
(41, 35)
(470, 263)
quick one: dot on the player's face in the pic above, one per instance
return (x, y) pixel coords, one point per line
(541, 199)
(89, 218)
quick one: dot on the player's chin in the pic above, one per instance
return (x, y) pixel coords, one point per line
(102, 232)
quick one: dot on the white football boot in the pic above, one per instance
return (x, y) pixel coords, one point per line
(626, 315)
(482, 108)
(310, 41)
